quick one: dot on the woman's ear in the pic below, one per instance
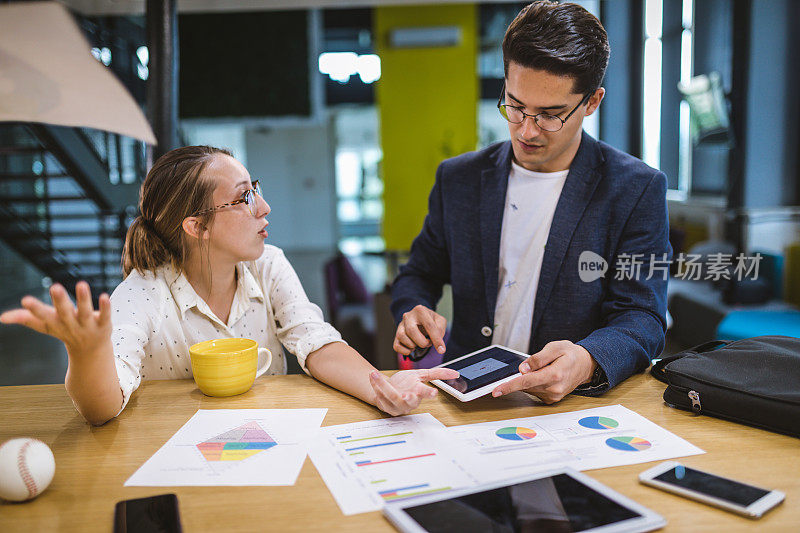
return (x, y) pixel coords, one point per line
(193, 227)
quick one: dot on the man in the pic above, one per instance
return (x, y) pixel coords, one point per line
(507, 225)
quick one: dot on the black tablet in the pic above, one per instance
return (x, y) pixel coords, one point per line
(557, 500)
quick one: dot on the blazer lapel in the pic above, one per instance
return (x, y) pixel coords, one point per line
(494, 184)
(575, 196)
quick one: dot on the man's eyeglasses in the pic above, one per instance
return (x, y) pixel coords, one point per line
(248, 197)
(545, 121)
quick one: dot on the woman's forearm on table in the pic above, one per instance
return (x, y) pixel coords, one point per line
(340, 366)
(93, 385)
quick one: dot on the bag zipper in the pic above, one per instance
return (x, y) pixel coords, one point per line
(718, 386)
(694, 396)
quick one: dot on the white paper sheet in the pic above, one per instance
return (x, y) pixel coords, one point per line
(591, 438)
(233, 447)
(365, 464)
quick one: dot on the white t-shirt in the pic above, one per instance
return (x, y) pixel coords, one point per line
(157, 316)
(531, 201)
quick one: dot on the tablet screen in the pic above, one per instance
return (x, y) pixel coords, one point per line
(483, 368)
(551, 504)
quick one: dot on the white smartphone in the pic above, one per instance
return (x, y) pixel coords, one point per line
(481, 371)
(735, 496)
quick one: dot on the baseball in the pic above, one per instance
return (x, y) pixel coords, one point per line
(26, 469)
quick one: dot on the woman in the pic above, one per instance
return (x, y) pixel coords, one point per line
(197, 268)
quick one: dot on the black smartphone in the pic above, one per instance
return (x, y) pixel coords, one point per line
(154, 514)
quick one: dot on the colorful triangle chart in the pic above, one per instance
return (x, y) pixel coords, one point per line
(237, 444)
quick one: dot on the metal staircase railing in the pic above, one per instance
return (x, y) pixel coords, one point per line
(68, 194)
(58, 206)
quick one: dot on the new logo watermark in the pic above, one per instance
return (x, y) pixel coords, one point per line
(712, 267)
(591, 266)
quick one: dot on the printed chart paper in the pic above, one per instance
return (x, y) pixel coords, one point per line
(233, 447)
(592, 438)
(365, 464)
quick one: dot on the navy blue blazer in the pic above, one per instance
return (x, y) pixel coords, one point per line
(611, 204)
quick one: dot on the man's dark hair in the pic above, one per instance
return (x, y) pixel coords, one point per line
(563, 39)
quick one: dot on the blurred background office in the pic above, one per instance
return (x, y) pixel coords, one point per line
(343, 110)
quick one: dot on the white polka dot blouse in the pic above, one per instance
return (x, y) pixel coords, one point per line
(157, 316)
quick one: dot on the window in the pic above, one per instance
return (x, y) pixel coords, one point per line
(359, 187)
(651, 102)
(684, 38)
(687, 71)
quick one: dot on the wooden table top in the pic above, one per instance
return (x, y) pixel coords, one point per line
(92, 463)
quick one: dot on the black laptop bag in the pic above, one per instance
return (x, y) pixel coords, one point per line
(753, 381)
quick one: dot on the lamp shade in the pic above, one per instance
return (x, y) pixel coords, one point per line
(48, 75)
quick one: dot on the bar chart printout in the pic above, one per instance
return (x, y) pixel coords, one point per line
(366, 464)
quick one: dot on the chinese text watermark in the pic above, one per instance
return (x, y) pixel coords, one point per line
(711, 267)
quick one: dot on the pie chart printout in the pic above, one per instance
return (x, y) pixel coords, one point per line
(515, 433)
(628, 444)
(598, 422)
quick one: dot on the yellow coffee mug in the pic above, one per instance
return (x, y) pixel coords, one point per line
(227, 367)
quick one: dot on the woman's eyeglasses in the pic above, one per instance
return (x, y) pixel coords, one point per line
(248, 197)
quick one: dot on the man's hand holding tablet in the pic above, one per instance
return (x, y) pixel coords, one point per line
(481, 372)
(552, 373)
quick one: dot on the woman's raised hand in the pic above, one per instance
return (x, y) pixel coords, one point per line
(405, 390)
(81, 328)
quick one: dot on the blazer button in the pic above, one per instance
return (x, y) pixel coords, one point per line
(486, 331)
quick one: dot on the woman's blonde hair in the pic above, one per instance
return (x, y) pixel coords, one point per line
(174, 189)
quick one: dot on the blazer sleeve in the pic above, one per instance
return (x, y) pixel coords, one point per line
(634, 310)
(420, 281)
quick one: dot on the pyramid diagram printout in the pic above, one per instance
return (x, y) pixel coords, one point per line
(233, 447)
(237, 444)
